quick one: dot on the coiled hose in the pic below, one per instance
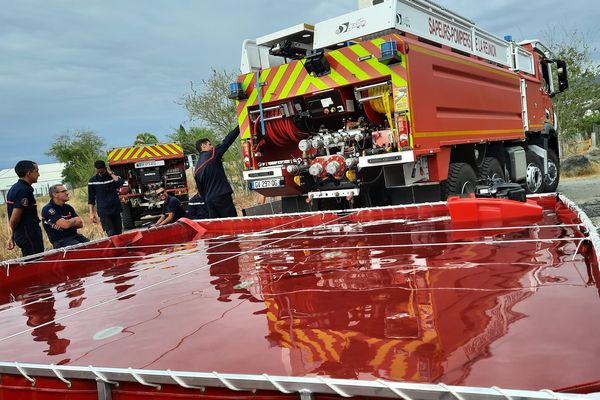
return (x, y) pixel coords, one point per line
(280, 131)
(383, 105)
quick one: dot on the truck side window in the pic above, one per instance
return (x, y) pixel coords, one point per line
(544, 70)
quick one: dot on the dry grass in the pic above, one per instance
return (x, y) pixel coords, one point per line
(588, 173)
(78, 200)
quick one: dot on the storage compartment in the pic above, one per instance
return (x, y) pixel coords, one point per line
(517, 164)
(150, 177)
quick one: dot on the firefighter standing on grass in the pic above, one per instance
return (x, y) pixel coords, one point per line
(210, 177)
(102, 194)
(23, 221)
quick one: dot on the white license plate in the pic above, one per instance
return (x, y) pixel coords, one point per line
(266, 183)
(150, 163)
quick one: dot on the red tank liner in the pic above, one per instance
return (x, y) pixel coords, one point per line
(395, 293)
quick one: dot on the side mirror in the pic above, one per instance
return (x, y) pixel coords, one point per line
(563, 79)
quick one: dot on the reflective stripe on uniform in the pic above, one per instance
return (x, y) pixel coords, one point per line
(101, 183)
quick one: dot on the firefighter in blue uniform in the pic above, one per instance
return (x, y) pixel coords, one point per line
(102, 193)
(60, 219)
(197, 207)
(210, 177)
(23, 221)
(172, 209)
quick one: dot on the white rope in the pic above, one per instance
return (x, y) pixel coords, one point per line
(218, 244)
(276, 384)
(181, 382)
(257, 250)
(102, 303)
(141, 380)
(59, 375)
(74, 248)
(225, 382)
(577, 248)
(306, 394)
(269, 251)
(22, 371)
(305, 215)
(101, 377)
(333, 387)
(394, 246)
(449, 389)
(69, 248)
(551, 393)
(201, 268)
(415, 268)
(593, 234)
(7, 265)
(309, 385)
(502, 392)
(240, 237)
(394, 390)
(412, 232)
(139, 257)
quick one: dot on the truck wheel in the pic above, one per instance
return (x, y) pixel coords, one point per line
(553, 176)
(490, 169)
(461, 180)
(535, 175)
(127, 216)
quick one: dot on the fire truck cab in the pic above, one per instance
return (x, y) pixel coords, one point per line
(400, 101)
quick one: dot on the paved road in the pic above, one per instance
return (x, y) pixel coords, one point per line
(586, 193)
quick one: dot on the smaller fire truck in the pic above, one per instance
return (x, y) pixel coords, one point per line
(145, 168)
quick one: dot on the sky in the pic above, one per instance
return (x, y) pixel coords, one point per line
(120, 67)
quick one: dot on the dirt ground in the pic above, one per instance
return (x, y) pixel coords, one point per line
(584, 191)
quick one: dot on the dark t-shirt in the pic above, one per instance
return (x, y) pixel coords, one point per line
(102, 192)
(197, 208)
(52, 213)
(209, 173)
(20, 195)
(173, 205)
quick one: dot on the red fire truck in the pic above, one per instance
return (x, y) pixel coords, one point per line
(144, 169)
(398, 102)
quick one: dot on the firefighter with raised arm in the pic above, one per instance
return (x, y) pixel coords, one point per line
(210, 177)
(102, 194)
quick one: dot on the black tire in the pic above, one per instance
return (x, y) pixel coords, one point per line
(553, 177)
(534, 177)
(461, 180)
(490, 168)
(127, 216)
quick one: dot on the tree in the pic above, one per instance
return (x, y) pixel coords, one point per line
(188, 138)
(210, 104)
(78, 150)
(578, 107)
(145, 138)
